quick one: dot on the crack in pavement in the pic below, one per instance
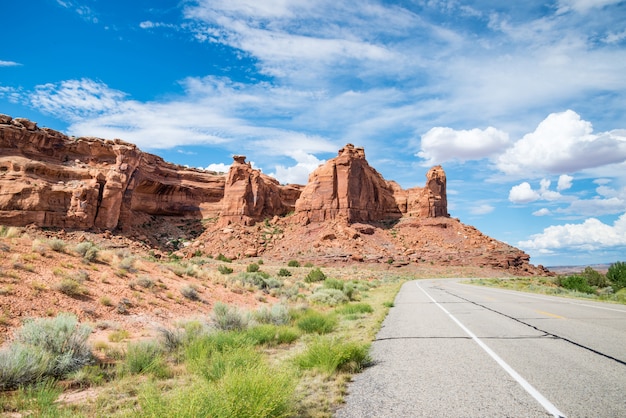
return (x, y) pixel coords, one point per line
(547, 333)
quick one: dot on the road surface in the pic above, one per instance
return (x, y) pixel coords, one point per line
(449, 349)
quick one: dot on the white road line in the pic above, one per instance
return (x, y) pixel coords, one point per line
(527, 386)
(545, 297)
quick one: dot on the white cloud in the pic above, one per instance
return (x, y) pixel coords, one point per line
(596, 206)
(563, 143)
(590, 235)
(565, 182)
(443, 144)
(9, 64)
(218, 167)
(523, 193)
(542, 212)
(583, 6)
(482, 209)
(77, 99)
(299, 173)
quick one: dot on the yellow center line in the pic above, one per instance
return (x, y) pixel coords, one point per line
(550, 314)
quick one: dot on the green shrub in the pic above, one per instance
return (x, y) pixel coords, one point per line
(293, 263)
(315, 322)
(315, 275)
(45, 347)
(355, 309)
(222, 257)
(70, 287)
(283, 272)
(329, 355)
(333, 284)
(330, 297)
(617, 275)
(252, 268)
(229, 318)
(254, 391)
(595, 278)
(224, 269)
(269, 334)
(577, 283)
(145, 357)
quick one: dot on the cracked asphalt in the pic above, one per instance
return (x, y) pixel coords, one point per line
(449, 349)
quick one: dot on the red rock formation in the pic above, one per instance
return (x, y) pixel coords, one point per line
(51, 180)
(346, 187)
(425, 202)
(251, 196)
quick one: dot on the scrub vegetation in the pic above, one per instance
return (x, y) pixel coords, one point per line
(290, 358)
(588, 284)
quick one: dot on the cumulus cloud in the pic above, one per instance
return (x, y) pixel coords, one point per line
(565, 182)
(563, 143)
(299, 173)
(218, 167)
(590, 235)
(524, 193)
(443, 144)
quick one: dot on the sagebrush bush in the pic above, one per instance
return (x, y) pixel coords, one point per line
(283, 272)
(326, 296)
(229, 318)
(87, 250)
(617, 275)
(293, 263)
(253, 267)
(57, 245)
(190, 292)
(277, 315)
(45, 347)
(261, 280)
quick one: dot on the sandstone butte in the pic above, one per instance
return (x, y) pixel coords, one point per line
(347, 212)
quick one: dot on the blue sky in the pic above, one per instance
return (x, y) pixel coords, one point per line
(523, 103)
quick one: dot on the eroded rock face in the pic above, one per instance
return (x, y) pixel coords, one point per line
(51, 180)
(251, 196)
(347, 187)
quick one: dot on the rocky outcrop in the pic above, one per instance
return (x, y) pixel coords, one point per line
(251, 196)
(52, 180)
(430, 201)
(347, 187)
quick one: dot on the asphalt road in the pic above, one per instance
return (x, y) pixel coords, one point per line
(449, 349)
